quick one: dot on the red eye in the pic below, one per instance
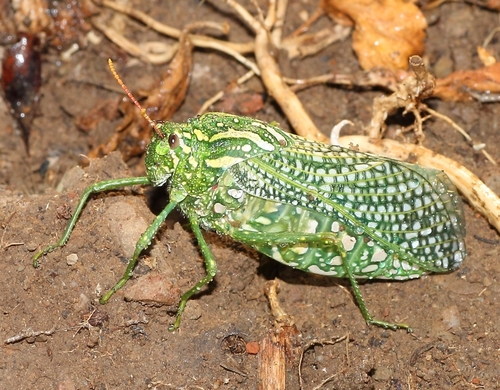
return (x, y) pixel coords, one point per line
(173, 141)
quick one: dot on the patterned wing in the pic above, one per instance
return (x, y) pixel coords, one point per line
(396, 220)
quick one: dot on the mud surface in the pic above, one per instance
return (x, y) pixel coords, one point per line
(79, 344)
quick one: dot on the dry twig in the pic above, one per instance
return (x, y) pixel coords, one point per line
(28, 333)
(272, 78)
(277, 347)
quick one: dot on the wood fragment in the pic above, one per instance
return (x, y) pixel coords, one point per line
(278, 348)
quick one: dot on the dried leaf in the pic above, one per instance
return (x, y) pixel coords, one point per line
(386, 33)
(134, 134)
(240, 101)
(459, 85)
(104, 109)
(493, 4)
(485, 56)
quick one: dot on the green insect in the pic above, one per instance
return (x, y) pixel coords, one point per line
(320, 208)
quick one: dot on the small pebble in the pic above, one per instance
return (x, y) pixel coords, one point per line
(451, 317)
(153, 288)
(82, 302)
(193, 311)
(66, 384)
(383, 374)
(253, 347)
(72, 259)
(31, 246)
(70, 179)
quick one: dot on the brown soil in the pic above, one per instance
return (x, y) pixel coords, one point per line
(126, 345)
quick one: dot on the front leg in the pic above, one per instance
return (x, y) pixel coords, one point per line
(142, 244)
(106, 185)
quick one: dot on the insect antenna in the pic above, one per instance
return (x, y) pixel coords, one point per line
(151, 122)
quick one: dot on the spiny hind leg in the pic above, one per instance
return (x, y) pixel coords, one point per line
(325, 239)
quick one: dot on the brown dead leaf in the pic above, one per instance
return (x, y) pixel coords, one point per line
(240, 101)
(104, 109)
(386, 33)
(486, 57)
(134, 134)
(459, 85)
(493, 4)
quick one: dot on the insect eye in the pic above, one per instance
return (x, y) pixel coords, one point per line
(173, 141)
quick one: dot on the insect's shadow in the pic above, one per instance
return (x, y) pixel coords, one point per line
(271, 269)
(156, 198)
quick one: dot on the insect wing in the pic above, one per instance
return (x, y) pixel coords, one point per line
(395, 220)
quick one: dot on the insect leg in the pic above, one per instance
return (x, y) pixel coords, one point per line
(324, 238)
(361, 302)
(94, 188)
(211, 269)
(142, 244)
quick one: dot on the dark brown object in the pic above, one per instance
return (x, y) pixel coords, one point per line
(234, 344)
(21, 81)
(98, 318)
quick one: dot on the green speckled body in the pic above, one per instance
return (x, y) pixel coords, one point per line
(316, 207)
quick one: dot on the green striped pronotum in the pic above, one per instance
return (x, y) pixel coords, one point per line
(320, 208)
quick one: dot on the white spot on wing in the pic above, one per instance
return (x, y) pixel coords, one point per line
(235, 193)
(337, 260)
(219, 208)
(379, 255)
(369, 268)
(316, 270)
(263, 220)
(312, 225)
(348, 242)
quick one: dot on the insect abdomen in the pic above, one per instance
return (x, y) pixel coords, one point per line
(262, 219)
